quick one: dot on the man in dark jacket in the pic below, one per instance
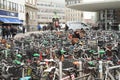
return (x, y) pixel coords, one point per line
(3, 32)
(66, 27)
(23, 29)
(76, 35)
(13, 31)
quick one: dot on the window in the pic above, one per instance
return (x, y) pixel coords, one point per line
(34, 2)
(12, 6)
(30, 15)
(30, 1)
(21, 8)
(1, 4)
(34, 15)
(27, 0)
(16, 7)
(8, 3)
(4, 4)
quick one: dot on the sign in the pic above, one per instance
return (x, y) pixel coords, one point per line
(68, 77)
(7, 13)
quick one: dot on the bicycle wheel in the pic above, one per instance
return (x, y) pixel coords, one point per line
(90, 77)
(108, 77)
(116, 74)
(84, 55)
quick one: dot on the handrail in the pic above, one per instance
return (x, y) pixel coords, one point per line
(71, 2)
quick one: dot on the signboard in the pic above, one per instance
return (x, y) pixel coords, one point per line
(68, 77)
(7, 13)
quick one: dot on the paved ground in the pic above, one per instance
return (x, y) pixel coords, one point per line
(19, 35)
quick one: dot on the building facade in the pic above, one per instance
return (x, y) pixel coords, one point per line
(78, 15)
(21, 10)
(108, 11)
(49, 10)
(10, 10)
(73, 15)
(31, 19)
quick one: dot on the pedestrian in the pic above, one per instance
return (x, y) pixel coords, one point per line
(50, 26)
(13, 31)
(3, 32)
(0, 30)
(8, 34)
(23, 29)
(50, 76)
(44, 27)
(66, 27)
(39, 27)
(76, 35)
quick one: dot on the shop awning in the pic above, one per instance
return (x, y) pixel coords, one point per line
(10, 20)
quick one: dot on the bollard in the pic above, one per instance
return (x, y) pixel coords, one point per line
(23, 75)
(119, 76)
(22, 45)
(98, 49)
(100, 70)
(6, 54)
(38, 44)
(80, 68)
(60, 70)
(51, 53)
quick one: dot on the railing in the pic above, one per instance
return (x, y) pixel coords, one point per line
(71, 2)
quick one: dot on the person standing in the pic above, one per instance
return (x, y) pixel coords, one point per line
(7, 32)
(13, 31)
(66, 27)
(3, 32)
(23, 29)
(39, 27)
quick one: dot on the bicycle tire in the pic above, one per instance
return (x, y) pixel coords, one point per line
(116, 74)
(109, 77)
(90, 77)
(84, 55)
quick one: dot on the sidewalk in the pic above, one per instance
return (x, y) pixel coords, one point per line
(19, 35)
